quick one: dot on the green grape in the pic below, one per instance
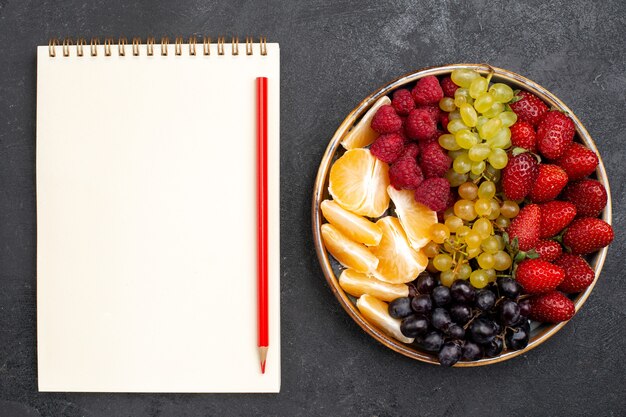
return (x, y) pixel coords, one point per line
(448, 142)
(448, 212)
(487, 190)
(486, 260)
(492, 174)
(483, 103)
(489, 129)
(502, 93)
(473, 176)
(478, 87)
(500, 240)
(462, 96)
(498, 158)
(479, 278)
(453, 223)
(453, 115)
(465, 210)
(431, 249)
(457, 153)
(457, 124)
(502, 261)
(468, 114)
(447, 278)
(509, 209)
(447, 104)
(473, 252)
(442, 262)
(473, 239)
(454, 178)
(463, 77)
(502, 138)
(503, 222)
(481, 121)
(466, 138)
(495, 210)
(491, 273)
(482, 207)
(490, 245)
(479, 152)
(447, 245)
(477, 168)
(468, 190)
(439, 232)
(462, 164)
(496, 108)
(483, 227)
(464, 271)
(462, 231)
(508, 118)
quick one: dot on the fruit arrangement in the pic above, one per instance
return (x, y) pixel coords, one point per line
(462, 211)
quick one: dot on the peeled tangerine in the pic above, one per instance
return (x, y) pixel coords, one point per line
(398, 262)
(349, 253)
(362, 134)
(358, 183)
(416, 218)
(375, 312)
(352, 225)
(357, 284)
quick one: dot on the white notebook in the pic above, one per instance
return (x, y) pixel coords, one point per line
(146, 218)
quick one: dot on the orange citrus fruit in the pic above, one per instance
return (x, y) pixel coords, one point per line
(358, 182)
(355, 227)
(348, 252)
(398, 262)
(356, 284)
(416, 218)
(362, 134)
(376, 312)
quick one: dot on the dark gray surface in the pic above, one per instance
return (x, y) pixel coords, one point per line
(334, 54)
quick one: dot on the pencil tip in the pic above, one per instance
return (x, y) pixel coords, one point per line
(263, 357)
(262, 367)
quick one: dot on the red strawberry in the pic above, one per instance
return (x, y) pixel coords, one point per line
(388, 147)
(403, 101)
(427, 91)
(578, 161)
(548, 250)
(549, 182)
(386, 120)
(525, 227)
(448, 86)
(552, 307)
(578, 273)
(529, 108)
(555, 216)
(537, 276)
(555, 134)
(519, 175)
(523, 136)
(589, 196)
(587, 235)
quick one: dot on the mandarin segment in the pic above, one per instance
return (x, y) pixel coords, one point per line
(416, 218)
(357, 284)
(362, 133)
(349, 253)
(355, 227)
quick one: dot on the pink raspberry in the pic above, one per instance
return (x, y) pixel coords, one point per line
(388, 147)
(403, 101)
(435, 112)
(427, 91)
(451, 200)
(448, 86)
(405, 174)
(420, 124)
(386, 120)
(412, 150)
(434, 160)
(444, 119)
(433, 193)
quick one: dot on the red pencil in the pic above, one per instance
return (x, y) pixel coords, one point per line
(263, 342)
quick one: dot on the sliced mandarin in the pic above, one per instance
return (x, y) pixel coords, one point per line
(348, 252)
(376, 312)
(416, 218)
(356, 284)
(362, 134)
(358, 183)
(356, 227)
(398, 262)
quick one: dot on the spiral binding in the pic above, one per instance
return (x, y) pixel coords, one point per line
(163, 50)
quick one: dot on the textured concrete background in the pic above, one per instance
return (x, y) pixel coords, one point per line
(334, 54)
